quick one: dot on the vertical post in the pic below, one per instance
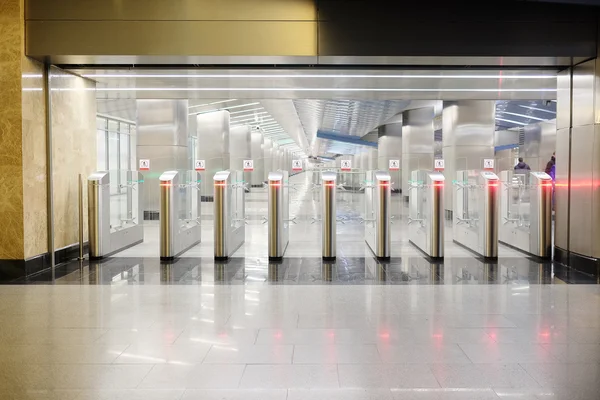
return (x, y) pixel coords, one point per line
(49, 168)
(383, 215)
(80, 217)
(437, 216)
(329, 220)
(275, 221)
(490, 237)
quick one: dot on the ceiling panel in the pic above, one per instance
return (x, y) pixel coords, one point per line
(513, 114)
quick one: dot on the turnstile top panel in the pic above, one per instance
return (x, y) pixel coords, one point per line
(222, 175)
(436, 176)
(382, 176)
(489, 176)
(275, 176)
(541, 175)
(168, 176)
(328, 176)
(100, 177)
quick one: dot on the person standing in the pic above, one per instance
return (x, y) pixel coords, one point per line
(551, 166)
(522, 166)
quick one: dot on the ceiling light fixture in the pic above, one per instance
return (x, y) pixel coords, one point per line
(219, 109)
(522, 115)
(214, 102)
(350, 76)
(317, 89)
(538, 109)
(250, 114)
(511, 121)
(243, 111)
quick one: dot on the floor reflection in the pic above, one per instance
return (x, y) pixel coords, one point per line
(307, 271)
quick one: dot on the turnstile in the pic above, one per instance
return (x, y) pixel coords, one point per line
(526, 212)
(378, 213)
(278, 220)
(475, 224)
(229, 213)
(426, 212)
(114, 213)
(179, 212)
(328, 214)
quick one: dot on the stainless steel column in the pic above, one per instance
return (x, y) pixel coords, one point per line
(169, 182)
(278, 218)
(541, 214)
(329, 218)
(383, 214)
(436, 229)
(221, 214)
(426, 212)
(97, 200)
(491, 186)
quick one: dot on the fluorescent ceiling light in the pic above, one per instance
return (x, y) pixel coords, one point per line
(347, 76)
(214, 102)
(216, 109)
(512, 122)
(305, 89)
(538, 109)
(243, 111)
(521, 115)
(253, 119)
(250, 114)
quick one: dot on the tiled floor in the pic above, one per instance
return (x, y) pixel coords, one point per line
(133, 328)
(261, 341)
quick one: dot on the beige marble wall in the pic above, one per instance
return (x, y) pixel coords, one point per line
(11, 175)
(73, 107)
(35, 225)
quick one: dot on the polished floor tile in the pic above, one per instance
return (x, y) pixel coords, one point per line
(339, 394)
(290, 377)
(336, 354)
(256, 354)
(132, 327)
(483, 376)
(387, 376)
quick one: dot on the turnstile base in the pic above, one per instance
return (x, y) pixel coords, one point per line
(329, 258)
(117, 251)
(429, 257)
(221, 258)
(474, 252)
(524, 251)
(276, 258)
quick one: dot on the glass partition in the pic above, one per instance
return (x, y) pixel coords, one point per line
(189, 192)
(124, 199)
(518, 202)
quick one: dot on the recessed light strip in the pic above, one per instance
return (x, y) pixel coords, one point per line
(214, 102)
(304, 89)
(538, 109)
(521, 115)
(343, 76)
(511, 121)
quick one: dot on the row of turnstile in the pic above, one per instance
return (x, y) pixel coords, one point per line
(515, 209)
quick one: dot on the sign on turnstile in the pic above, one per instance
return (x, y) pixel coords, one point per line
(438, 164)
(488, 163)
(248, 165)
(296, 165)
(200, 165)
(346, 165)
(144, 165)
(394, 165)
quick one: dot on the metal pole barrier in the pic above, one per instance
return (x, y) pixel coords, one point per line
(80, 217)
(329, 217)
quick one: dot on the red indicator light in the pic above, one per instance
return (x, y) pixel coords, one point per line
(220, 183)
(492, 184)
(438, 184)
(166, 184)
(546, 185)
(275, 183)
(384, 183)
(329, 184)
